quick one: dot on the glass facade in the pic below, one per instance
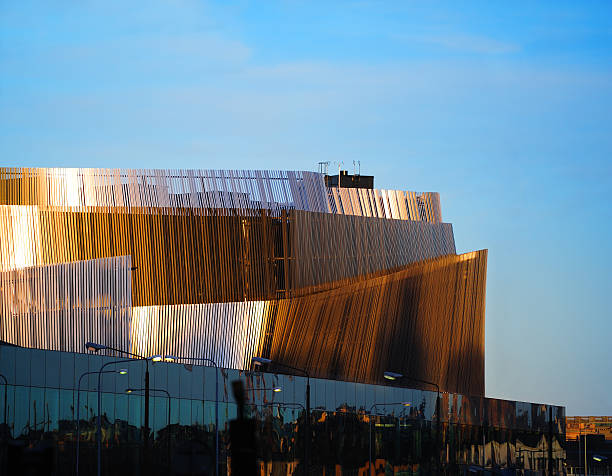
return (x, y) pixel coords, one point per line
(396, 430)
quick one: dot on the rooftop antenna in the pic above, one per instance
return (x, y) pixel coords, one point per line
(323, 167)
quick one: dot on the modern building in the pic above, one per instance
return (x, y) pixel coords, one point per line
(343, 283)
(589, 439)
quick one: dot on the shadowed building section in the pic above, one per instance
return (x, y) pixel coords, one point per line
(425, 320)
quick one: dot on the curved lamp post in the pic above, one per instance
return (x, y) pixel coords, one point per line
(274, 389)
(132, 390)
(5, 398)
(95, 347)
(263, 360)
(99, 429)
(405, 404)
(172, 358)
(5, 432)
(397, 376)
(78, 429)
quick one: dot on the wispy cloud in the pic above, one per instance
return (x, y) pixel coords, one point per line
(467, 43)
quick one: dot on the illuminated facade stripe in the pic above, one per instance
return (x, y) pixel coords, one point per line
(19, 237)
(61, 306)
(229, 333)
(244, 191)
(390, 204)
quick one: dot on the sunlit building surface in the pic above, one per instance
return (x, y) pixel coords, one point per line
(346, 283)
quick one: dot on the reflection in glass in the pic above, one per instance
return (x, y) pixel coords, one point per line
(474, 432)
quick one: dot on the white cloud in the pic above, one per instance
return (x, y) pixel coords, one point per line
(467, 43)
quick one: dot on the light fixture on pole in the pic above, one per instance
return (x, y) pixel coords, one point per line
(95, 347)
(173, 358)
(396, 376)
(261, 361)
(78, 415)
(5, 399)
(99, 424)
(163, 358)
(132, 390)
(405, 404)
(274, 389)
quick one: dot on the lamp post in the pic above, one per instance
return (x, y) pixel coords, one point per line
(603, 460)
(5, 432)
(172, 358)
(132, 390)
(586, 461)
(406, 404)
(99, 424)
(95, 347)
(396, 376)
(263, 360)
(78, 416)
(290, 405)
(274, 389)
(5, 398)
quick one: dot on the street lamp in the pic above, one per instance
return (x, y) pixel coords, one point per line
(262, 360)
(163, 358)
(396, 376)
(5, 399)
(603, 460)
(5, 430)
(173, 358)
(274, 389)
(78, 430)
(95, 347)
(99, 429)
(132, 390)
(405, 404)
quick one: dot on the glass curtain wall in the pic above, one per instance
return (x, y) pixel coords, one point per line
(357, 429)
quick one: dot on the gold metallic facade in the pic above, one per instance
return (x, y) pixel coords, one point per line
(230, 264)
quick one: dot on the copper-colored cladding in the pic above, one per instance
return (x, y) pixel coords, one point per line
(327, 247)
(180, 257)
(183, 257)
(426, 321)
(232, 263)
(396, 204)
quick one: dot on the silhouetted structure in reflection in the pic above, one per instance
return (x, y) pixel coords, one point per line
(475, 431)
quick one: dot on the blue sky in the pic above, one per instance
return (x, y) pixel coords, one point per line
(504, 108)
